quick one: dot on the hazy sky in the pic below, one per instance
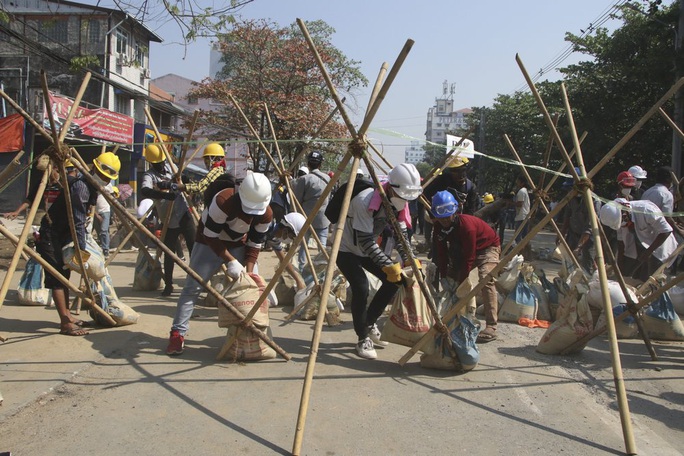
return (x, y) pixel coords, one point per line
(471, 44)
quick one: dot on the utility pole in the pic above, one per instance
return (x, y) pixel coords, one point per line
(679, 96)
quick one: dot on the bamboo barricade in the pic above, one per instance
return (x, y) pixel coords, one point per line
(131, 234)
(24, 235)
(303, 150)
(356, 150)
(10, 169)
(117, 206)
(630, 303)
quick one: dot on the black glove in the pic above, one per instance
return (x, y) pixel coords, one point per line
(169, 196)
(164, 185)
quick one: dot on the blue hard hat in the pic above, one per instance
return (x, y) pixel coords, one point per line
(444, 204)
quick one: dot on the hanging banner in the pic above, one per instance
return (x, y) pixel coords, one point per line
(98, 125)
(467, 148)
(11, 133)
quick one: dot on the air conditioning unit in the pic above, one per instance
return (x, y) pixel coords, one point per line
(146, 73)
(120, 60)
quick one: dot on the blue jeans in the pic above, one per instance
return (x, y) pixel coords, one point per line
(322, 234)
(103, 232)
(205, 263)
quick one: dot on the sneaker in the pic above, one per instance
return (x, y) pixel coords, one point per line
(374, 335)
(364, 348)
(176, 343)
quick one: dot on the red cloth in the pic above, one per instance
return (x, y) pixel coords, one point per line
(11, 133)
(472, 234)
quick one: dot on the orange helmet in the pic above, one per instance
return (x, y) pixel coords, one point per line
(626, 179)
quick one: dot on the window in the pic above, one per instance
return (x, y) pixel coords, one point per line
(94, 31)
(122, 104)
(121, 42)
(55, 31)
(140, 55)
(192, 100)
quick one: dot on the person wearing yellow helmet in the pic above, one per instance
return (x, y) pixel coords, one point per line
(55, 232)
(214, 160)
(157, 184)
(488, 198)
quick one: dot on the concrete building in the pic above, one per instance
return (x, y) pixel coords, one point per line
(441, 118)
(414, 153)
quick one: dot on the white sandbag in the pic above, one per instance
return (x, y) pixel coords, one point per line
(374, 285)
(677, 297)
(310, 311)
(521, 302)
(508, 276)
(661, 321)
(95, 266)
(30, 290)
(595, 298)
(148, 272)
(285, 290)
(573, 322)
(122, 314)
(409, 318)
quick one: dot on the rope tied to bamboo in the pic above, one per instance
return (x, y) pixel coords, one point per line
(542, 194)
(357, 147)
(584, 184)
(58, 152)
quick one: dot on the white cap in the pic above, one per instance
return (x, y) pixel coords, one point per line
(638, 172)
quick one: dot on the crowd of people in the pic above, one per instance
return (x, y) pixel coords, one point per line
(463, 230)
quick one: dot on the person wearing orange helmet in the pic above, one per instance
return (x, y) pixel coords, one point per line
(626, 182)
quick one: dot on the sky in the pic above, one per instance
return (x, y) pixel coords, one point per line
(471, 44)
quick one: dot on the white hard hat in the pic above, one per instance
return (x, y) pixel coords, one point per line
(611, 214)
(294, 221)
(303, 169)
(360, 172)
(405, 180)
(255, 193)
(638, 172)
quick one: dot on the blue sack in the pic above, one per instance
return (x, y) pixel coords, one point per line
(521, 302)
(30, 290)
(662, 322)
(463, 340)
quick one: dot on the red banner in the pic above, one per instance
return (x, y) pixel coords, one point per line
(11, 133)
(91, 124)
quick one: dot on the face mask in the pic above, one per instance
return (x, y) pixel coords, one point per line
(638, 184)
(101, 181)
(626, 191)
(398, 203)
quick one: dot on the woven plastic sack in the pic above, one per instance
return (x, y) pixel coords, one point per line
(30, 290)
(625, 328)
(662, 322)
(521, 302)
(122, 314)
(218, 282)
(462, 337)
(310, 311)
(508, 277)
(243, 293)
(573, 322)
(148, 272)
(409, 318)
(248, 346)
(677, 297)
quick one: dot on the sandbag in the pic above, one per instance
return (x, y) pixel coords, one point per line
(573, 322)
(463, 339)
(508, 276)
(285, 290)
(547, 296)
(677, 297)
(567, 265)
(248, 346)
(30, 290)
(148, 272)
(519, 303)
(243, 293)
(661, 322)
(409, 318)
(122, 314)
(96, 263)
(595, 297)
(624, 329)
(218, 282)
(310, 311)
(374, 285)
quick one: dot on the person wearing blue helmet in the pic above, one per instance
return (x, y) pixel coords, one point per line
(465, 242)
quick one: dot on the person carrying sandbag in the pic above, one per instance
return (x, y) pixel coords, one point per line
(464, 242)
(232, 230)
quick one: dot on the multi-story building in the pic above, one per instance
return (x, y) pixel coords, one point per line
(414, 153)
(441, 118)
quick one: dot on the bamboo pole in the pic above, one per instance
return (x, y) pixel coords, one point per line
(131, 233)
(301, 153)
(376, 87)
(11, 167)
(24, 235)
(630, 445)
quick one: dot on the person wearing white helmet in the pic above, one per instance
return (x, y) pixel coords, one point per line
(365, 220)
(640, 175)
(308, 190)
(232, 231)
(281, 232)
(645, 238)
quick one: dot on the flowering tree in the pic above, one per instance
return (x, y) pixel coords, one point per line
(268, 64)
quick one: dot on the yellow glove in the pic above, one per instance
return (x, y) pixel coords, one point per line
(419, 265)
(74, 263)
(393, 272)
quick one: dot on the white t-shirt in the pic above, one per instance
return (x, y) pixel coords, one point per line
(648, 224)
(360, 218)
(522, 212)
(661, 197)
(101, 205)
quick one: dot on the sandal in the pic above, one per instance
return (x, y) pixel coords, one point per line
(74, 330)
(487, 335)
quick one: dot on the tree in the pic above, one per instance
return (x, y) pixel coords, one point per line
(266, 63)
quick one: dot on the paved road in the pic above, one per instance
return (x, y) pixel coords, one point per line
(115, 392)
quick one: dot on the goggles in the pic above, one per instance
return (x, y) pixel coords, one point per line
(444, 209)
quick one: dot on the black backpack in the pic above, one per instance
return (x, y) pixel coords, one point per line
(225, 180)
(332, 212)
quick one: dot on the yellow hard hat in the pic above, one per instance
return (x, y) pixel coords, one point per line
(458, 162)
(69, 164)
(115, 191)
(214, 150)
(488, 198)
(108, 164)
(154, 154)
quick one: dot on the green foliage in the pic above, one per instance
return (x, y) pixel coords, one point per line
(79, 63)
